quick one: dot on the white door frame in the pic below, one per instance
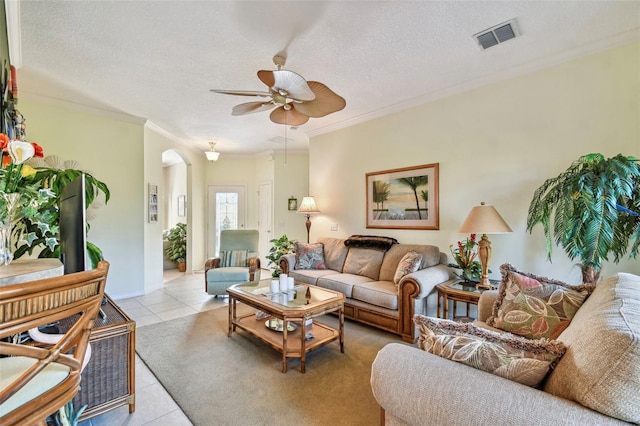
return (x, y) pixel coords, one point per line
(265, 213)
(211, 211)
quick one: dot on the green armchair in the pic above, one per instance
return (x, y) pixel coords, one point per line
(238, 261)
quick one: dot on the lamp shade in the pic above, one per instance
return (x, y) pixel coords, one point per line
(308, 206)
(212, 155)
(484, 220)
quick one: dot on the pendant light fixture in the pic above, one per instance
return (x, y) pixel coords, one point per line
(212, 155)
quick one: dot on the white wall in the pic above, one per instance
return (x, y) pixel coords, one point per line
(495, 144)
(110, 147)
(175, 182)
(156, 141)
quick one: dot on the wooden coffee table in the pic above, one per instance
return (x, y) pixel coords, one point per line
(294, 308)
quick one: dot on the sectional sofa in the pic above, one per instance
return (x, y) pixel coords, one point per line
(365, 276)
(596, 382)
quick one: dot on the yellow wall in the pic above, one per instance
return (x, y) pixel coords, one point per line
(496, 144)
(292, 179)
(111, 149)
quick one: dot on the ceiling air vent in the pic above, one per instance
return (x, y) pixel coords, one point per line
(496, 35)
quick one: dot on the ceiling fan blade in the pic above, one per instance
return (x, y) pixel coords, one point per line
(293, 84)
(326, 101)
(243, 92)
(289, 118)
(251, 107)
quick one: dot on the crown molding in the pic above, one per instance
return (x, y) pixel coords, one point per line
(83, 108)
(161, 131)
(523, 69)
(14, 38)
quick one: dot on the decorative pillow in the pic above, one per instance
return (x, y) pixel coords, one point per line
(233, 258)
(409, 263)
(513, 357)
(535, 307)
(309, 256)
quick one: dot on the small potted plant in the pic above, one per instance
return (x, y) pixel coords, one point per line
(465, 254)
(281, 246)
(177, 250)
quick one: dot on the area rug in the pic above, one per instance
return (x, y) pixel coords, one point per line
(217, 380)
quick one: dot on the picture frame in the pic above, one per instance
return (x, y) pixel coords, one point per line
(292, 204)
(405, 198)
(182, 205)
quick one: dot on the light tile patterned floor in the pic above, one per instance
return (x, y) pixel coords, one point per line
(181, 295)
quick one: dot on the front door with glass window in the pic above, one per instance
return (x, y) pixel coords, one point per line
(226, 209)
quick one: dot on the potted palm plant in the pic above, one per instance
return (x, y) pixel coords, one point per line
(591, 210)
(177, 249)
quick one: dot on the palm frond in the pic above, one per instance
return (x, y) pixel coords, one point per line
(580, 210)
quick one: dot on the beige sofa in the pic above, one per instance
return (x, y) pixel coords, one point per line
(365, 277)
(596, 382)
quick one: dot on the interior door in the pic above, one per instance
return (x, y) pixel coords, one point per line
(226, 209)
(265, 221)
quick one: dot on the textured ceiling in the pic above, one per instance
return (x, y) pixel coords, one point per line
(158, 59)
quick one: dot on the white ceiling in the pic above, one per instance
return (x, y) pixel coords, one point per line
(158, 59)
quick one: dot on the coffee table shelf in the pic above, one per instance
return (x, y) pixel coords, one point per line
(306, 303)
(322, 333)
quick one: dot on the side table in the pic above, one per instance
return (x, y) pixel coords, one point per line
(457, 291)
(108, 380)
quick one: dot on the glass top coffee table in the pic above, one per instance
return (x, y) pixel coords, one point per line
(293, 308)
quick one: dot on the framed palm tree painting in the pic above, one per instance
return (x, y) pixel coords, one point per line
(405, 198)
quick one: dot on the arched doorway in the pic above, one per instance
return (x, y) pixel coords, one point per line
(173, 200)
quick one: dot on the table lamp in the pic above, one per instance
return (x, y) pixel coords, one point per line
(484, 220)
(308, 207)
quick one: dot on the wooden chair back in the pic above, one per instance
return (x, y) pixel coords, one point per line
(36, 303)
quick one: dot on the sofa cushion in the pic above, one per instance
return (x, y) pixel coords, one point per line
(503, 354)
(309, 256)
(535, 307)
(409, 263)
(310, 276)
(602, 365)
(392, 257)
(365, 262)
(335, 253)
(342, 282)
(378, 293)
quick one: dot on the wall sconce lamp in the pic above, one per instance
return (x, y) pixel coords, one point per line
(212, 155)
(308, 207)
(484, 220)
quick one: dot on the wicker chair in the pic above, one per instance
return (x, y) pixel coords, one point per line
(38, 380)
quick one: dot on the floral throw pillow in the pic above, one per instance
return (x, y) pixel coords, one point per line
(309, 256)
(513, 357)
(535, 307)
(409, 263)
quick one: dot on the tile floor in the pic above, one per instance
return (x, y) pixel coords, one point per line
(181, 295)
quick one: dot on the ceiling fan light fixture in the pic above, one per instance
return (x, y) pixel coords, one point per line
(294, 99)
(212, 155)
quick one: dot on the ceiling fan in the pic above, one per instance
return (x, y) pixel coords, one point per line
(294, 98)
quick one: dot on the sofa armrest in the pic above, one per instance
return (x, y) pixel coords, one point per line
(417, 285)
(211, 263)
(485, 304)
(425, 279)
(254, 267)
(287, 263)
(421, 388)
